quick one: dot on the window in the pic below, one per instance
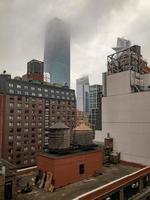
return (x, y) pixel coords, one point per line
(19, 111)
(10, 137)
(57, 91)
(19, 117)
(18, 86)
(33, 94)
(18, 137)
(11, 130)
(25, 162)
(62, 92)
(19, 105)
(39, 89)
(11, 124)
(45, 90)
(11, 105)
(11, 91)
(11, 117)
(26, 105)
(52, 91)
(26, 149)
(26, 130)
(18, 143)
(81, 168)
(11, 85)
(26, 93)
(26, 117)
(32, 148)
(39, 95)
(18, 92)
(32, 88)
(25, 87)
(18, 130)
(32, 160)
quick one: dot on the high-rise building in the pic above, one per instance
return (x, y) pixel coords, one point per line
(122, 44)
(57, 52)
(126, 106)
(27, 110)
(95, 96)
(82, 91)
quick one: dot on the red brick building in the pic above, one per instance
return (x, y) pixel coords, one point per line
(72, 167)
(27, 110)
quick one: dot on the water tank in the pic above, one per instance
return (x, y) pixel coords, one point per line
(82, 135)
(59, 137)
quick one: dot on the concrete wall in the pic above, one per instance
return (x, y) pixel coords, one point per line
(118, 83)
(146, 80)
(127, 119)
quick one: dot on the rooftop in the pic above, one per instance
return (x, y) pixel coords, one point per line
(59, 125)
(82, 127)
(71, 152)
(71, 191)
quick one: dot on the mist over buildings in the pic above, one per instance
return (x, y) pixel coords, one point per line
(95, 25)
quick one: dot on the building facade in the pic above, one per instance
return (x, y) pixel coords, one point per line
(79, 166)
(82, 92)
(57, 52)
(27, 110)
(95, 112)
(126, 107)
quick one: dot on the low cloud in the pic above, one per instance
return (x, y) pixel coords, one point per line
(95, 26)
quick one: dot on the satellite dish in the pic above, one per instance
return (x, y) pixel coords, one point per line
(4, 72)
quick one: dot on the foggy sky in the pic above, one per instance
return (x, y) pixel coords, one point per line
(95, 24)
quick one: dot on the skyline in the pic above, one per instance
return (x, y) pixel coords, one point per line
(23, 25)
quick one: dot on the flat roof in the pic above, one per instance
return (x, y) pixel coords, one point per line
(69, 153)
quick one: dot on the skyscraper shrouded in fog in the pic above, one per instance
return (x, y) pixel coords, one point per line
(57, 52)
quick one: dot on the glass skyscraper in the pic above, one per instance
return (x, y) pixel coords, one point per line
(95, 111)
(82, 90)
(57, 52)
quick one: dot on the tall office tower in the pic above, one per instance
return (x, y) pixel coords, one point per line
(35, 71)
(57, 52)
(95, 112)
(122, 44)
(82, 91)
(27, 110)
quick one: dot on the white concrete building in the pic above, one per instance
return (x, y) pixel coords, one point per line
(126, 115)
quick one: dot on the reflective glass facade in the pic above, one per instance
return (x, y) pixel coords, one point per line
(57, 52)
